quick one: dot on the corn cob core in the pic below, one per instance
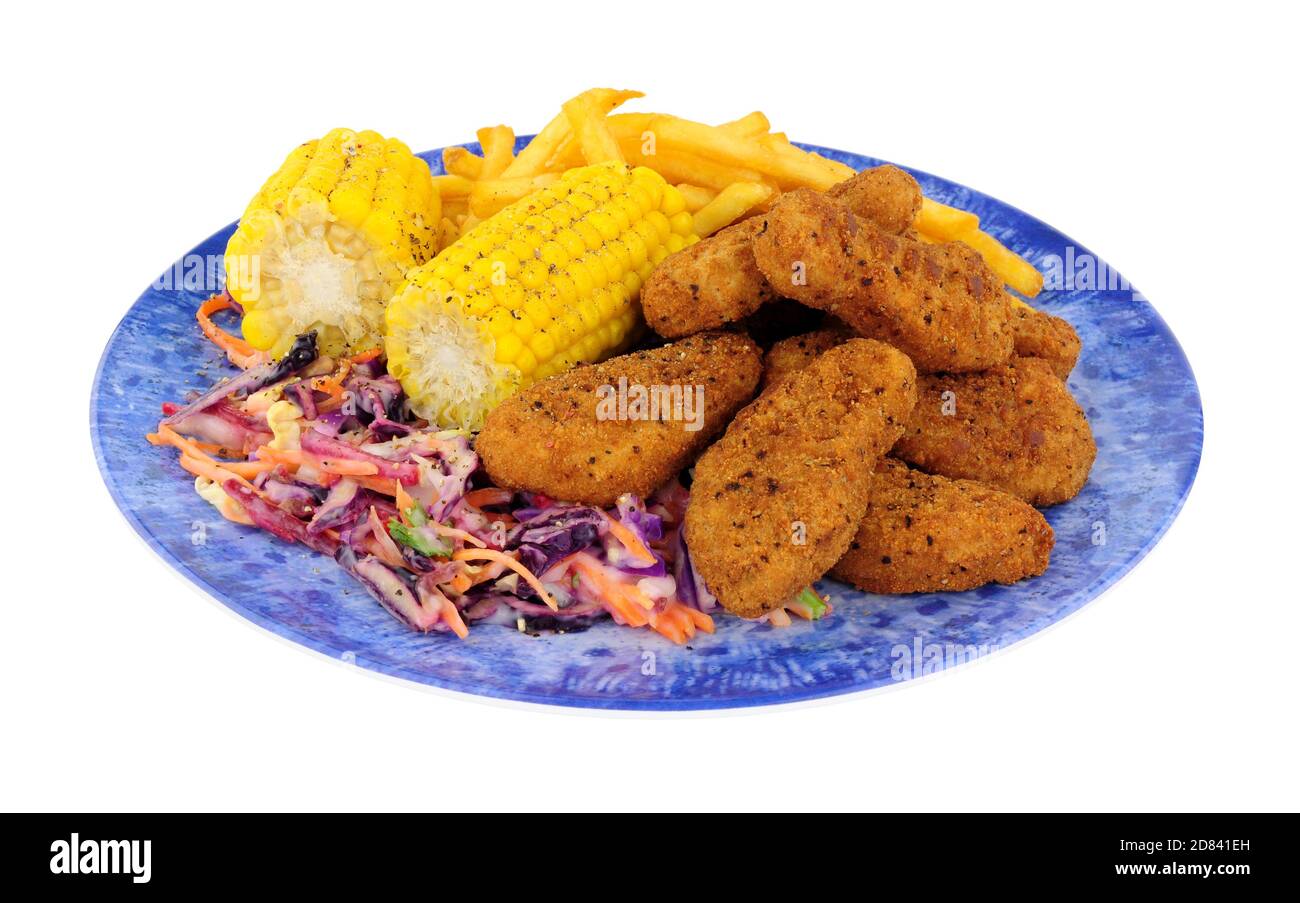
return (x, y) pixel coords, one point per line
(329, 238)
(547, 282)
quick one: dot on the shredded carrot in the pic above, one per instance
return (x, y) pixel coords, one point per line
(503, 558)
(343, 467)
(679, 622)
(367, 356)
(629, 540)
(451, 615)
(332, 385)
(404, 501)
(206, 467)
(460, 583)
(702, 620)
(166, 435)
(202, 469)
(488, 572)
(381, 485)
(615, 595)
(241, 354)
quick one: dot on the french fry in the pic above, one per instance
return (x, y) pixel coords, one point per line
(458, 161)
(820, 171)
(490, 195)
(681, 166)
(785, 164)
(749, 126)
(1014, 270)
(944, 223)
(695, 196)
(454, 207)
(731, 204)
(534, 158)
(498, 143)
(591, 131)
(450, 187)
(938, 223)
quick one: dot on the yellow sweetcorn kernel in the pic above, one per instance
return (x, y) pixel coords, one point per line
(328, 238)
(547, 282)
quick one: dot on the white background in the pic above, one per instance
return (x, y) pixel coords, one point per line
(1164, 140)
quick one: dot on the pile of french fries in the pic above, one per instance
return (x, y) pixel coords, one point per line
(724, 172)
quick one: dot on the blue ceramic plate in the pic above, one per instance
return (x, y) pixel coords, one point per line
(1132, 379)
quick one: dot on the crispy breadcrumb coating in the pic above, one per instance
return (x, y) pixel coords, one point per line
(1039, 334)
(709, 284)
(938, 303)
(715, 281)
(776, 501)
(797, 352)
(925, 533)
(1014, 427)
(886, 195)
(557, 437)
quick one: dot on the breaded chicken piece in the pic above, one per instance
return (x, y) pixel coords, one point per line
(797, 352)
(715, 281)
(709, 284)
(566, 437)
(886, 195)
(1041, 335)
(924, 534)
(776, 501)
(1015, 427)
(939, 304)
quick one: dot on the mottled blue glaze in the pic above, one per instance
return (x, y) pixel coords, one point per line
(1132, 380)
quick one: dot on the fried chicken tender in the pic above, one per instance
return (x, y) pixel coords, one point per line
(886, 195)
(709, 284)
(777, 499)
(925, 534)
(1039, 334)
(566, 437)
(715, 281)
(1014, 427)
(938, 303)
(794, 354)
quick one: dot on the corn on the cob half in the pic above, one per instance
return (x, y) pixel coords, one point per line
(549, 281)
(329, 238)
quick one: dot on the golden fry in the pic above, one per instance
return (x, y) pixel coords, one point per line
(695, 196)
(537, 156)
(1014, 270)
(943, 223)
(681, 166)
(458, 161)
(749, 126)
(498, 144)
(452, 186)
(454, 207)
(809, 170)
(732, 203)
(588, 125)
(788, 166)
